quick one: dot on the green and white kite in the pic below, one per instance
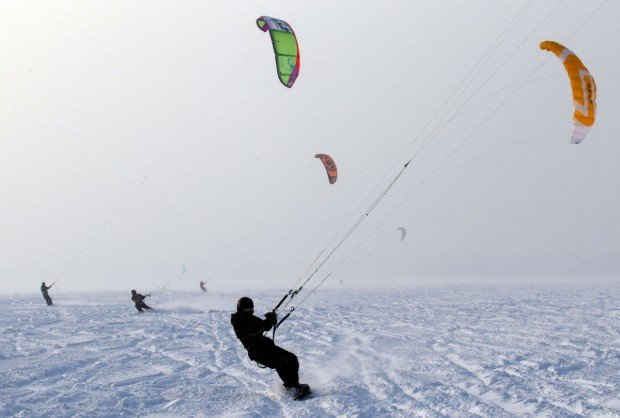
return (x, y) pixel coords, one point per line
(284, 46)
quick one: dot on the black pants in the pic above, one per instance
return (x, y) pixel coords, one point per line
(274, 357)
(48, 299)
(142, 305)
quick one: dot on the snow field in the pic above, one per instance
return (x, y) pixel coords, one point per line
(491, 351)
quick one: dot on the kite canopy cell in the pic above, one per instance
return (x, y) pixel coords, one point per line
(330, 167)
(583, 86)
(284, 46)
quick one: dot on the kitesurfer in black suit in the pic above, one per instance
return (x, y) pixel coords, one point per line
(249, 330)
(46, 295)
(138, 299)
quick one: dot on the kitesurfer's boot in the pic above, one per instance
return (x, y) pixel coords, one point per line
(299, 390)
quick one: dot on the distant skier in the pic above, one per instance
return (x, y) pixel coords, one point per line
(202, 286)
(138, 299)
(46, 295)
(249, 330)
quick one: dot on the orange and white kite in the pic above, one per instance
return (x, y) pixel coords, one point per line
(583, 86)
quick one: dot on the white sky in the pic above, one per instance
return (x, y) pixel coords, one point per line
(137, 137)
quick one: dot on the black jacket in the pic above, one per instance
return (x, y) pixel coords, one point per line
(137, 298)
(249, 329)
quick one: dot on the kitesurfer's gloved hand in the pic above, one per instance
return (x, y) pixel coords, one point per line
(272, 317)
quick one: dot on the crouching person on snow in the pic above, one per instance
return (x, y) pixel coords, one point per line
(138, 299)
(249, 330)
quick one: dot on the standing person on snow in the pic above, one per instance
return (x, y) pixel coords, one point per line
(44, 290)
(202, 286)
(249, 330)
(138, 299)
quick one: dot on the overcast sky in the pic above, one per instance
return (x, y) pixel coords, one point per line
(151, 141)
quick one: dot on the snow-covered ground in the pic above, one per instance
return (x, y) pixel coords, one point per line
(438, 351)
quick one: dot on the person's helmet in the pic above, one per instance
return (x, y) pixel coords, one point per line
(133, 292)
(43, 284)
(245, 305)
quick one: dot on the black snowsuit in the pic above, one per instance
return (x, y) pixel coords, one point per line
(46, 295)
(249, 329)
(138, 299)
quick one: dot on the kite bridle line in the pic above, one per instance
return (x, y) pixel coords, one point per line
(288, 297)
(159, 289)
(424, 181)
(153, 168)
(462, 87)
(438, 128)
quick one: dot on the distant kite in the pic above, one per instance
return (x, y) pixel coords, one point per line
(330, 167)
(403, 232)
(284, 46)
(583, 86)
